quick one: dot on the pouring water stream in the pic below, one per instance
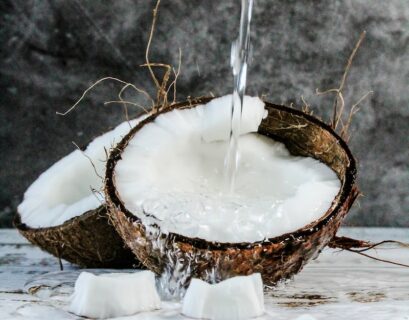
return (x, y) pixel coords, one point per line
(239, 60)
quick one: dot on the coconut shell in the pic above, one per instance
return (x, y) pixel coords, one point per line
(88, 240)
(276, 258)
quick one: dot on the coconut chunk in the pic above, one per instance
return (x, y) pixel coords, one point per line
(114, 294)
(235, 298)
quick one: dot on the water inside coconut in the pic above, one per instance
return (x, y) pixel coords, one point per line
(186, 193)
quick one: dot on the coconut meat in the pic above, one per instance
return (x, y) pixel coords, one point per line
(64, 191)
(114, 295)
(235, 298)
(173, 167)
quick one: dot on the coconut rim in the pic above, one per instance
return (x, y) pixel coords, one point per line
(19, 224)
(347, 189)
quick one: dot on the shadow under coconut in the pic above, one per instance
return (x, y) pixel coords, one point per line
(275, 258)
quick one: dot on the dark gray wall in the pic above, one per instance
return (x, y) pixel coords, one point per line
(52, 50)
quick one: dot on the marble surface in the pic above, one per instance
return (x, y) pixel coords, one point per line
(338, 285)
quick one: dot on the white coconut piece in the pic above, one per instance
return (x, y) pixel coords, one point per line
(173, 168)
(234, 299)
(114, 294)
(64, 191)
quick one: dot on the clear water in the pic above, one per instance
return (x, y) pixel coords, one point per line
(240, 52)
(185, 192)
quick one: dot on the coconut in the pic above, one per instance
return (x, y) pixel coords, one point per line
(234, 298)
(275, 258)
(113, 295)
(63, 213)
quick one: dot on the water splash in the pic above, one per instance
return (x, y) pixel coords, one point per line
(240, 52)
(178, 266)
(176, 273)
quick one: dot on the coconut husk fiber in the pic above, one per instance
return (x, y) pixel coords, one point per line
(88, 240)
(276, 258)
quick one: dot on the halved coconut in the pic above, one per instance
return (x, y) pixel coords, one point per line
(160, 240)
(62, 213)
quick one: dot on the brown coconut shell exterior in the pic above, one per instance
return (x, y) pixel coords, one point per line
(89, 240)
(276, 258)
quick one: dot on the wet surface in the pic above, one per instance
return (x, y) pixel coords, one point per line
(336, 284)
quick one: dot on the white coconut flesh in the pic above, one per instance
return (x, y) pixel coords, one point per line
(113, 295)
(64, 191)
(173, 169)
(236, 298)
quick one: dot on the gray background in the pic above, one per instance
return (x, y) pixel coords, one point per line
(51, 51)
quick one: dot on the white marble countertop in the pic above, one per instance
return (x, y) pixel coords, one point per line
(338, 285)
